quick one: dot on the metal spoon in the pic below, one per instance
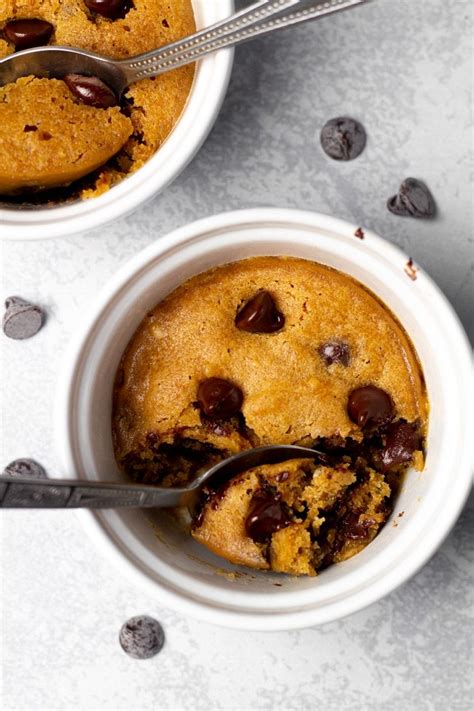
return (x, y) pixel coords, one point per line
(260, 18)
(77, 494)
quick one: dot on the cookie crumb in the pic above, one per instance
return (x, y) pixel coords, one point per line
(411, 270)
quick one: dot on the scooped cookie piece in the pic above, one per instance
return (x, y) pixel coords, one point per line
(66, 141)
(295, 518)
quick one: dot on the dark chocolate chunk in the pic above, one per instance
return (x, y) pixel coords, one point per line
(219, 398)
(401, 440)
(142, 637)
(335, 352)
(412, 200)
(21, 319)
(26, 468)
(112, 9)
(28, 33)
(267, 514)
(91, 91)
(370, 406)
(260, 315)
(359, 233)
(343, 138)
(352, 529)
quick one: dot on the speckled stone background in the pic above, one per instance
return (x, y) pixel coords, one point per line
(403, 68)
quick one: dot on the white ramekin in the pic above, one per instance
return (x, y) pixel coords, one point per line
(173, 567)
(203, 105)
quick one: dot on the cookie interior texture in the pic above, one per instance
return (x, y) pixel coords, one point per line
(50, 139)
(333, 338)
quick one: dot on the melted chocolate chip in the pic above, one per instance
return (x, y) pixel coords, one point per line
(260, 315)
(219, 398)
(343, 138)
(142, 637)
(412, 200)
(402, 439)
(91, 91)
(370, 406)
(28, 33)
(282, 476)
(335, 352)
(267, 514)
(112, 9)
(352, 529)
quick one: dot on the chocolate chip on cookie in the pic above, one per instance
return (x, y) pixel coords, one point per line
(267, 514)
(402, 439)
(112, 9)
(335, 352)
(260, 315)
(91, 91)
(28, 33)
(370, 406)
(219, 398)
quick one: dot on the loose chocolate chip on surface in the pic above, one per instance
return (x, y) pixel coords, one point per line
(219, 398)
(25, 468)
(343, 138)
(402, 439)
(412, 200)
(335, 352)
(267, 514)
(260, 315)
(91, 91)
(142, 637)
(21, 319)
(359, 233)
(112, 9)
(370, 406)
(28, 33)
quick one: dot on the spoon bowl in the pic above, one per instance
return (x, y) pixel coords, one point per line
(56, 62)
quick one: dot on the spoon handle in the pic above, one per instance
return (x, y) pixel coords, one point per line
(77, 494)
(260, 18)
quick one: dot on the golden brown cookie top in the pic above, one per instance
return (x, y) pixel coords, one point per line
(295, 378)
(147, 24)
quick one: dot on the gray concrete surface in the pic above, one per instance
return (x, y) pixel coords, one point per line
(403, 68)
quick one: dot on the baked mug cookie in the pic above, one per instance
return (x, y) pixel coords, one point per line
(274, 350)
(72, 139)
